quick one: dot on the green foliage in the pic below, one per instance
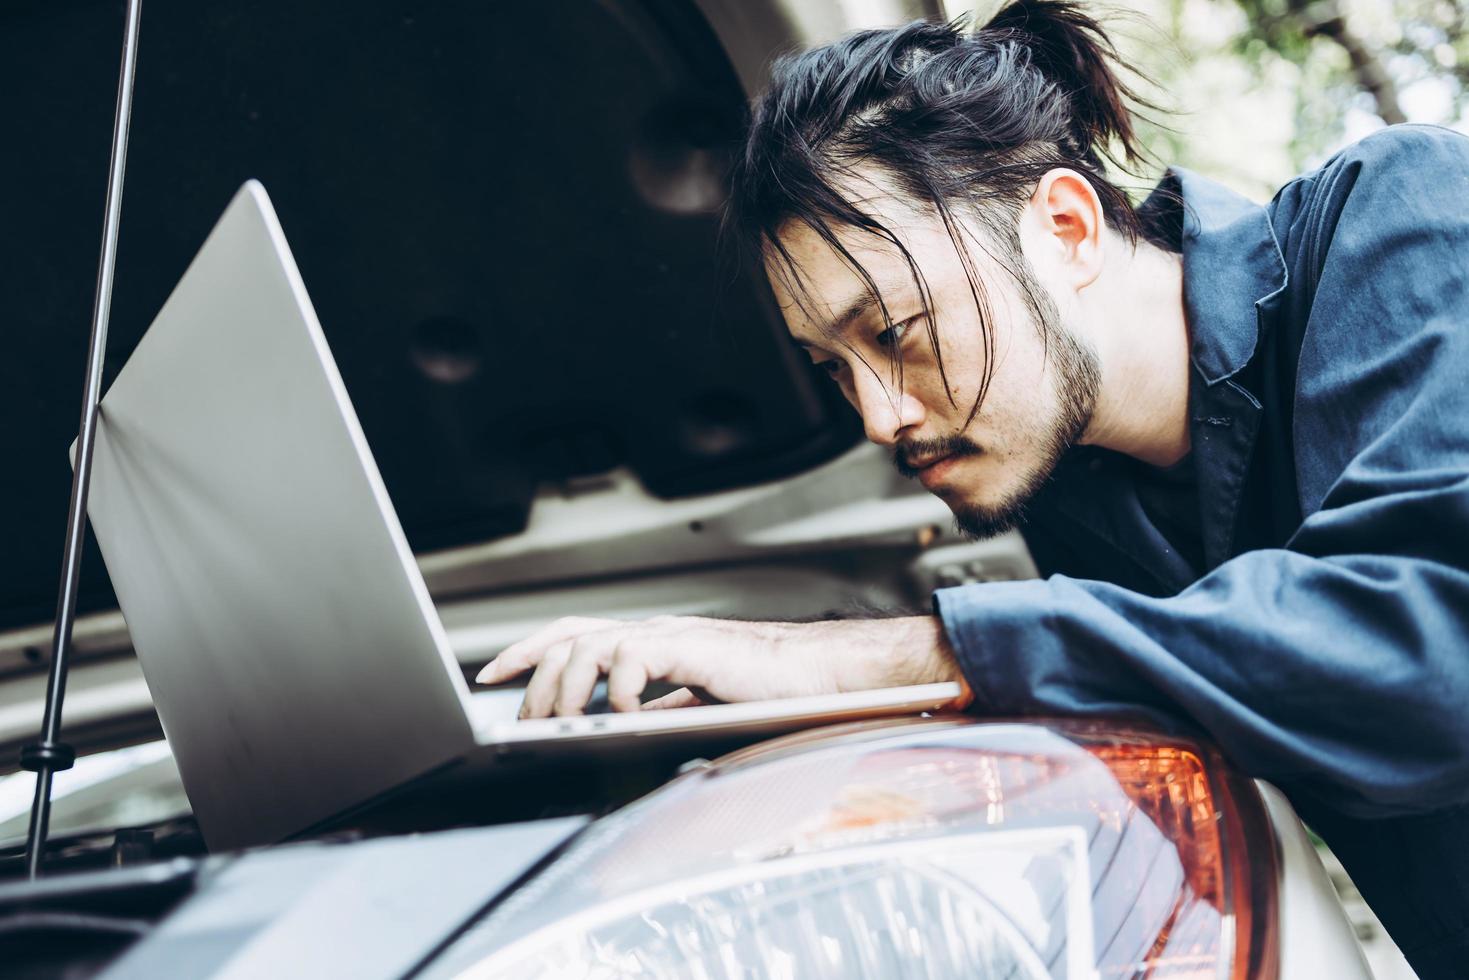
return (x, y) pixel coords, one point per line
(1260, 90)
(1359, 54)
(1265, 88)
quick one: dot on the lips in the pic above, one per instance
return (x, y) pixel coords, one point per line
(931, 474)
(925, 459)
(925, 463)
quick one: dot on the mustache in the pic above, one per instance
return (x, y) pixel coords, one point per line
(931, 449)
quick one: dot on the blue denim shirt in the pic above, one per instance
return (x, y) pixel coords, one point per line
(1325, 643)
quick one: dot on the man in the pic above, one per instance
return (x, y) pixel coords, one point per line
(1238, 436)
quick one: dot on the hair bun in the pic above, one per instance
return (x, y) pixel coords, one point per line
(1072, 50)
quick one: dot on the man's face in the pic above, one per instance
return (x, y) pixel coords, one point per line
(1044, 378)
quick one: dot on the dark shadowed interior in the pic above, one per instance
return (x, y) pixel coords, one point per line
(506, 222)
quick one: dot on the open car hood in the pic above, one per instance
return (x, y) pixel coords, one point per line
(506, 219)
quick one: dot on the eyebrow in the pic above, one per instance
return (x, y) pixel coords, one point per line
(858, 307)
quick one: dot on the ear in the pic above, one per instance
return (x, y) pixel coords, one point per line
(1070, 215)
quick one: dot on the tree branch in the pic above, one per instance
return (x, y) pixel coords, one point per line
(1324, 18)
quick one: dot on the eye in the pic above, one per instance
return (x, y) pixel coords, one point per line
(832, 366)
(894, 335)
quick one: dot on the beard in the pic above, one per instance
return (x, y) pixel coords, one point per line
(1076, 378)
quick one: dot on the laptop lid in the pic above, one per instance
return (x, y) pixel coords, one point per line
(294, 657)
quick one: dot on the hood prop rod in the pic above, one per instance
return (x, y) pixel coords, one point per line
(50, 755)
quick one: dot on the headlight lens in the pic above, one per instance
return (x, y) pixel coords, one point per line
(948, 848)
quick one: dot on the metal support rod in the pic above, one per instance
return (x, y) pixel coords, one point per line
(49, 755)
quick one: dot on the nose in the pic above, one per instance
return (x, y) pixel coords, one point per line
(886, 410)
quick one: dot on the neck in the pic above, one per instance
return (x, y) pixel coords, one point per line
(1141, 338)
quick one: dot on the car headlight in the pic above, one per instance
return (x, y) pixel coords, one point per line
(941, 848)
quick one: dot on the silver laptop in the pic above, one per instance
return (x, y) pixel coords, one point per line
(290, 645)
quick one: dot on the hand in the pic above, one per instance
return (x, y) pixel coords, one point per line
(722, 660)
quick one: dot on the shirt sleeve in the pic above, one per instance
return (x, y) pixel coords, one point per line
(1339, 664)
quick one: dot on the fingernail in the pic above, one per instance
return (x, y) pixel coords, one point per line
(483, 676)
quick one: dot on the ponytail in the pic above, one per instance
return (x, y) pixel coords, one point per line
(1073, 50)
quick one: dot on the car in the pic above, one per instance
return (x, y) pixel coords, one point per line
(508, 221)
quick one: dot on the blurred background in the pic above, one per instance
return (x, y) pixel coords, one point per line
(1261, 90)
(465, 185)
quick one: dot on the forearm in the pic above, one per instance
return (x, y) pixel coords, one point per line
(1342, 675)
(896, 652)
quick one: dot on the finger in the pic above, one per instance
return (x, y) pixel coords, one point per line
(503, 669)
(541, 691)
(642, 658)
(589, 657)
(627, 676)
(682, 698)
(522, 655)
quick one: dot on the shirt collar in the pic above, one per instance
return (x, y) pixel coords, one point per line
(1231, 264)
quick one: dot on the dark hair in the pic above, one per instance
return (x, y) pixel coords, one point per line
(949, 116)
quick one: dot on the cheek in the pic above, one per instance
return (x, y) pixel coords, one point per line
(950, 393)
(1026, 419)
